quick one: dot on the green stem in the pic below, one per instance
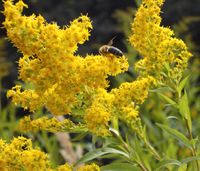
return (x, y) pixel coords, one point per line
(152, 149)
(149, 146)
(126, 146)
(143, 168)
(142, 135)
(194, 150)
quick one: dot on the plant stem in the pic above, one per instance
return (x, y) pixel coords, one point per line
(152, 149)
(143, 137)
(143, 168)
(194, 150)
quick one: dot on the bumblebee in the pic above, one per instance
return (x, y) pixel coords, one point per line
(108, 49)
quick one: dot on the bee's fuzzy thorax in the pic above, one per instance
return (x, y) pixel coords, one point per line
(106, 49)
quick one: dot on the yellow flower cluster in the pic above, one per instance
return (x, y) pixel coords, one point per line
(91, 167)
(65, 167)
(120, 102)
(20, 155)
(136, 91)
(156, 43)
(99, 113)
(57, 76)
(48, 124)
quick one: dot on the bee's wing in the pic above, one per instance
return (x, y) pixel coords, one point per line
(111, 41)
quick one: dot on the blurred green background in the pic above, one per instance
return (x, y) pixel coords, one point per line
(109, 18)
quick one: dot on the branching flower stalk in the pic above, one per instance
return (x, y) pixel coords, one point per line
(157, 46)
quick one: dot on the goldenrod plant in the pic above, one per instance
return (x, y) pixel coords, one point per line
(20, 155)
(65, 83)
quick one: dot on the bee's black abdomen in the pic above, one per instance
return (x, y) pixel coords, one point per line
(115, 51)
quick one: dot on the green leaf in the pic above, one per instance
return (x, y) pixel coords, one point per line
(115, 122)
(184, 110)
(176, 134)
(111, 141)
(167, 99)
(166, 65)
(168, 162)
(119, 167)
(183, 167)
(99, 153)
(161, 90)
(190, 159)
(79, 137)
(194, 141)
(182, 84)
(163, 74)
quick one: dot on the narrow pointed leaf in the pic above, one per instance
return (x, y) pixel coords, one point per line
(119, 167)
(168, 100)
(161, 90)
(190, 159)
(184, 110)
(168, 162)
(182, 84)
(176, 134)
(99, 153)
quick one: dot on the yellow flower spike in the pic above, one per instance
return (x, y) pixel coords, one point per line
(35, 160)
(99, 113)
(56, 75)
(136, 91)
(32, 35)
(21, 143)
(130, 113)
(30, 99)
(155, 43)
(49, 124)
(97, 119)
